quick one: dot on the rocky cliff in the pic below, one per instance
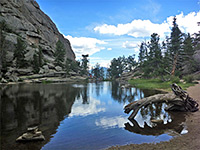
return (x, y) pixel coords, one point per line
(27, 20)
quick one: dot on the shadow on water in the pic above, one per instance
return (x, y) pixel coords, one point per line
(58, 110)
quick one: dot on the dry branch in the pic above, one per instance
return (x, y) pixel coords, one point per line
(177, 101)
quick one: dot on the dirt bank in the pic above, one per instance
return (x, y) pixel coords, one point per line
(191, 140)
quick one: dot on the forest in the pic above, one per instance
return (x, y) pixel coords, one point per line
(172, 57)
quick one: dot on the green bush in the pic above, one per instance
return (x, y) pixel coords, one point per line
(188, 79)
(175, 79)
(197, 77)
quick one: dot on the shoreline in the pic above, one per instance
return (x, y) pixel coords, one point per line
(184, 142)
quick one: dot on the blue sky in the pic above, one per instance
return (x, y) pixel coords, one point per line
(105, 29)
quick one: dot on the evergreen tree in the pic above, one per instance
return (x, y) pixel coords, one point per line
(167, 60)
(3, 62)
(36, 67)
(59, 54)
(102, 73)
(40, 57)
(175, 49)
(71, 65)
(155, 56)
(37, 60)
(151, 61)
(116, 67)
(189, 51)
(130, 63)
(84, 64)
(19, 53)
(96, 71)
(142, 53)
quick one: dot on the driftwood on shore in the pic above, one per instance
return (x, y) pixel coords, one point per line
(179, 100)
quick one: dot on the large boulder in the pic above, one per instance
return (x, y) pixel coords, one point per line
(27, 20)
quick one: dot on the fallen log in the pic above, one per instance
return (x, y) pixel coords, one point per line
(179, 100)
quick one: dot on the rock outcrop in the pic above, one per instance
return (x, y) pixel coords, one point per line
(27, 20)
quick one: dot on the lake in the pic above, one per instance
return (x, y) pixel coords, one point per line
(82, 116)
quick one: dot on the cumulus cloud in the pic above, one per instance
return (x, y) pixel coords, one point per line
(129, 45)
(144, 28)
(85, 45)
(109, 49)
(137, 28)
(187, 23)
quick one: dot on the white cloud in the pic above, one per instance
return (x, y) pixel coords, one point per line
(94, 107)
(109, 49)
(144, 28)
(111, 122)
(187, 23)
(137, 28)
(85, 45)
(129, 45)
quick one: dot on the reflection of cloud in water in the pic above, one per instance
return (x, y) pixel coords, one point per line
(162, 116)
(111, 122)
(78, 86)
(80, 109)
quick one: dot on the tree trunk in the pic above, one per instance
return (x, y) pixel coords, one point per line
(174, 65)
(177, 101)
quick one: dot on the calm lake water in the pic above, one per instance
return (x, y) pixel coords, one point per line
(82, 116)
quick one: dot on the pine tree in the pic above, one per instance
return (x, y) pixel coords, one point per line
(151, 63)
(96, 71)
(188, 54)
(37, 60)
(130, 63)
(142, 53)
(175, 49)
(155, 55)
(19, 53)
(3, 62)
(84, 64)
(59, 54)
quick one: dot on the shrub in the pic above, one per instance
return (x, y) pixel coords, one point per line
(175, 79)
(188, 79)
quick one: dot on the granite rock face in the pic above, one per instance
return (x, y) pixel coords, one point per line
(28, 21)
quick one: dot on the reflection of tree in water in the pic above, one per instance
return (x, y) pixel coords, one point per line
(84, 93)
(36, 104)
(129, 94)
(125, 94)
(99, 87)
(145, 126)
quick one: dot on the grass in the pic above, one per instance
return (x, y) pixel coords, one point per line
(156, 84)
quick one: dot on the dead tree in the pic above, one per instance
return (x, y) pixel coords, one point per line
(179, 100)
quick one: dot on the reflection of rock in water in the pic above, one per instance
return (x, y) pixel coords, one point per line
(36, 104)
(153, 120)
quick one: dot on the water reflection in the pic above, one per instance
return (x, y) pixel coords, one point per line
(72, 115)
(154, 120)
(130, 94)
(25, 105)
(111, 122)
(93, 106)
